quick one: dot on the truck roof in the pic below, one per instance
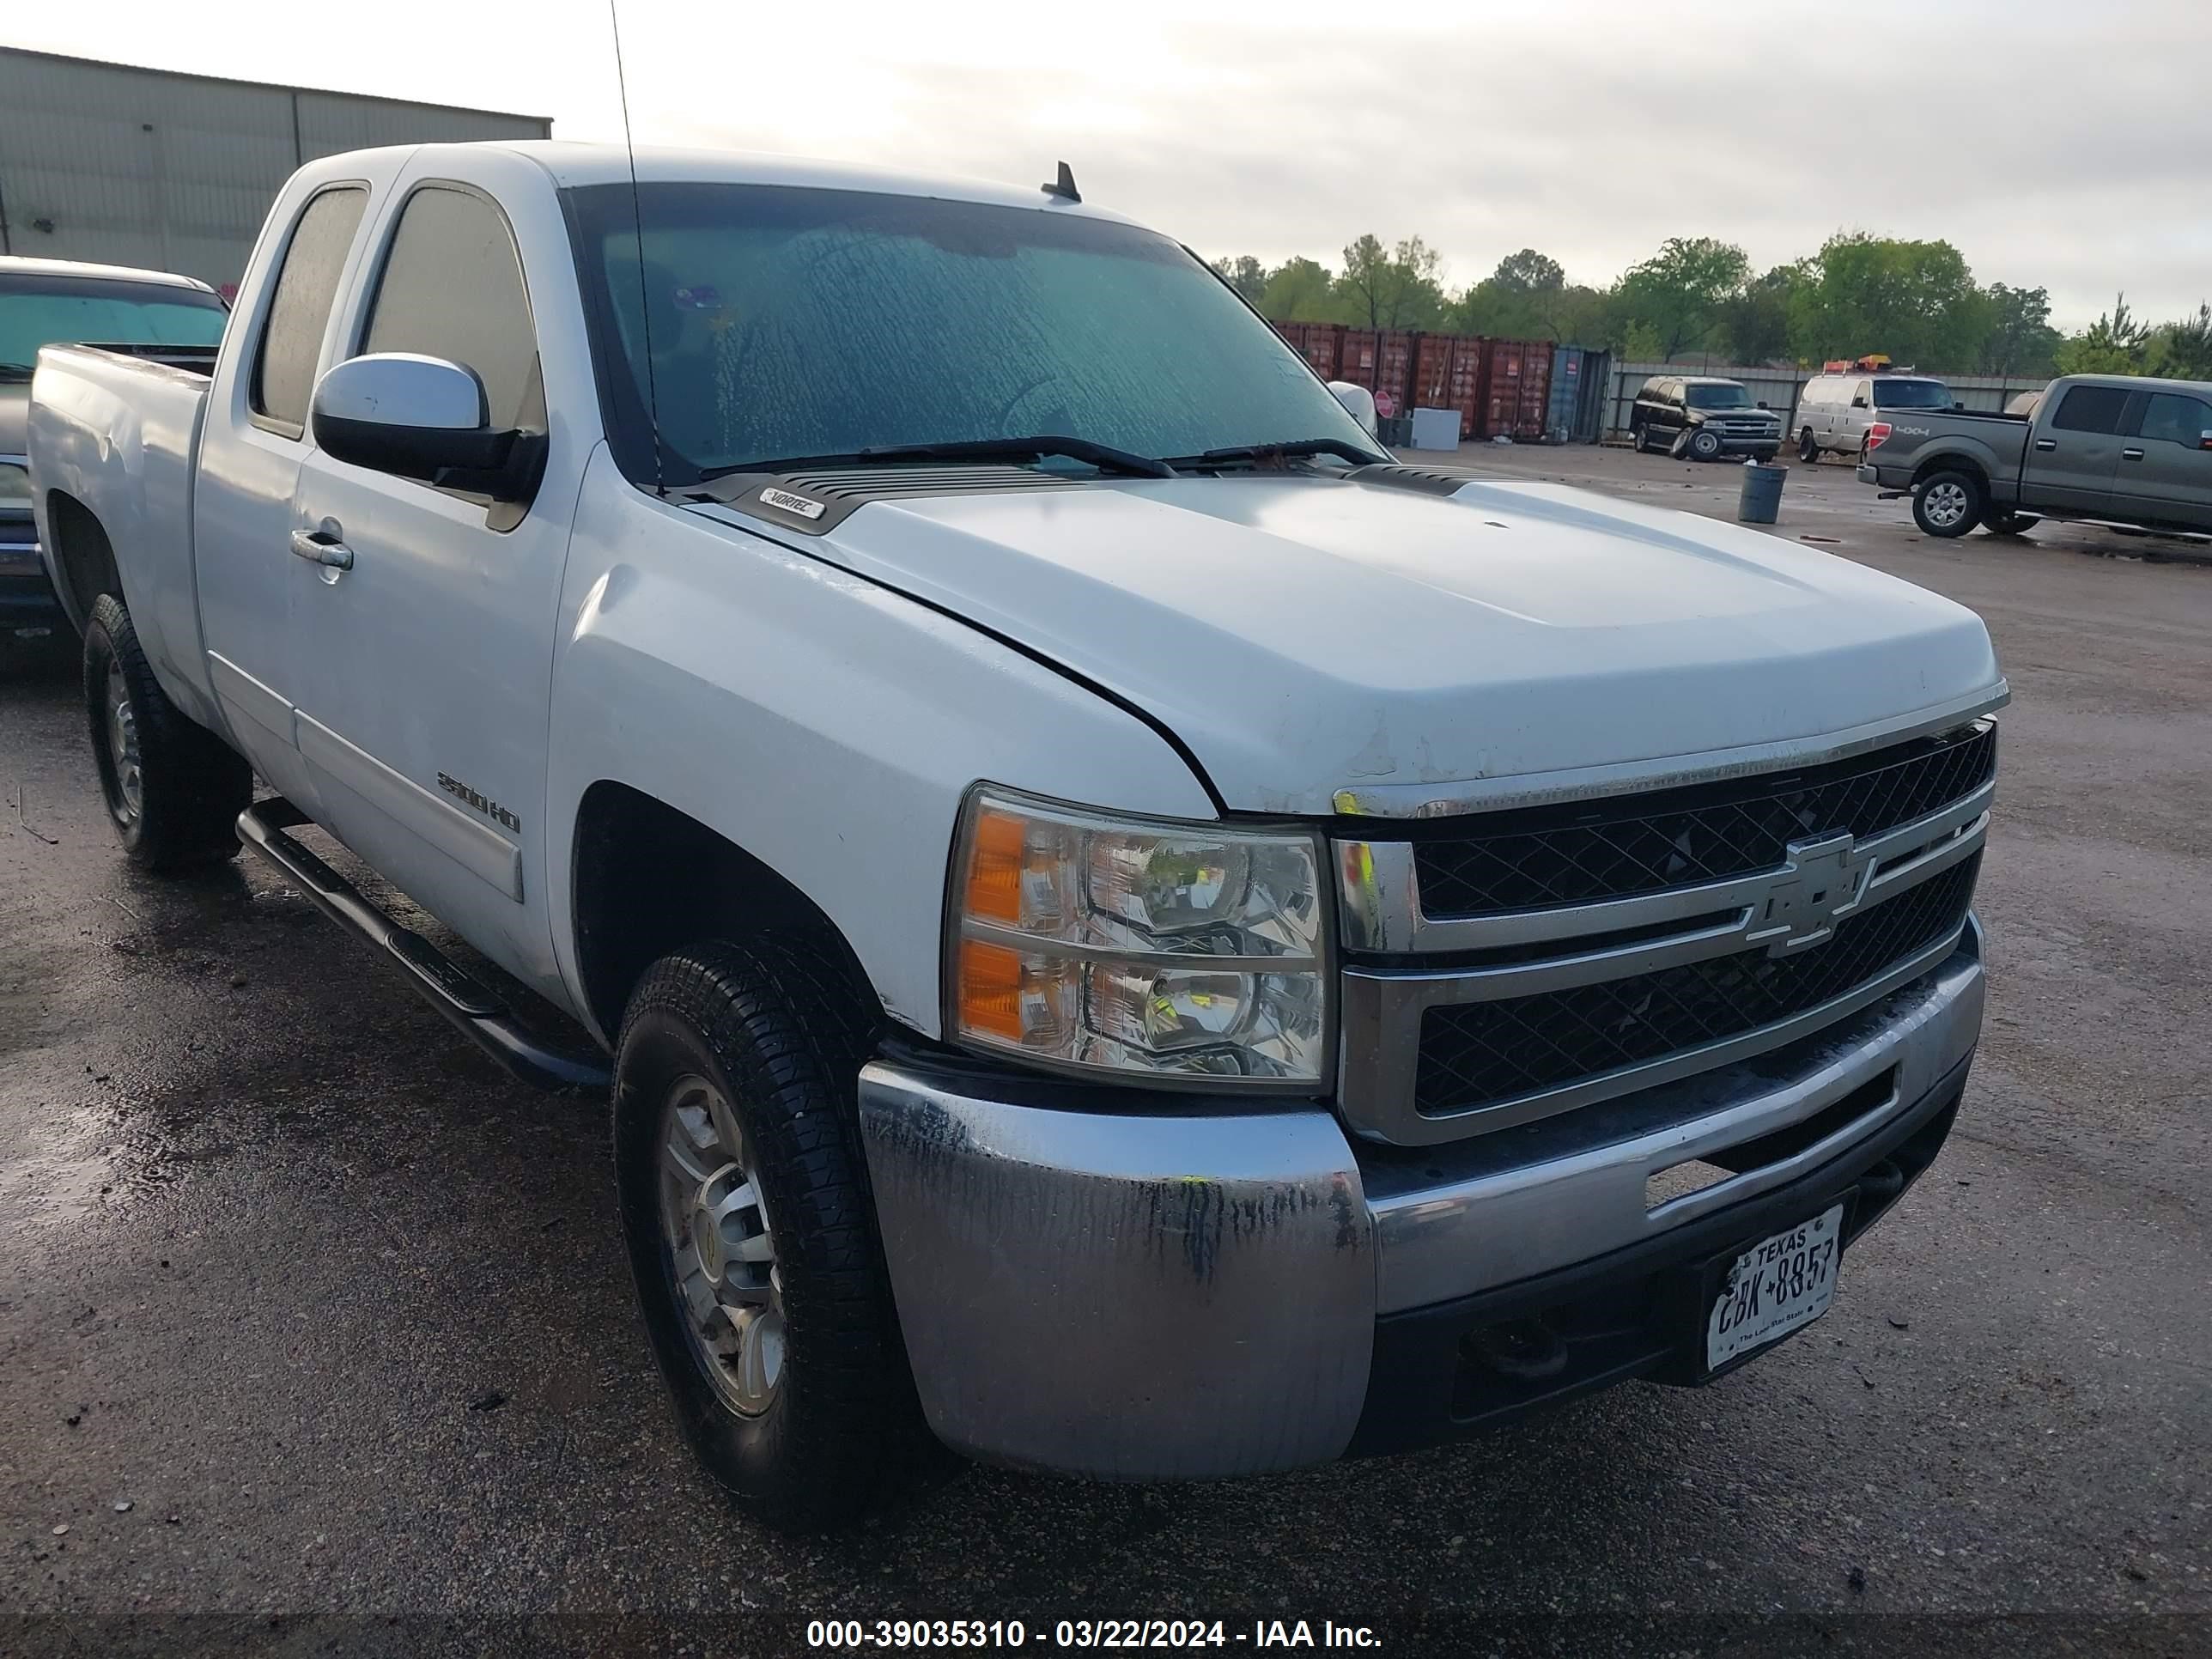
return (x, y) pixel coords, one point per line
(23, 264)
(580, 164)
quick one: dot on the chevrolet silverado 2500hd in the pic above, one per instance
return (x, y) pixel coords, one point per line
(1129, 932)
(2102, 449)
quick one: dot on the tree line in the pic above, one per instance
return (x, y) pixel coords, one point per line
(1699, 297)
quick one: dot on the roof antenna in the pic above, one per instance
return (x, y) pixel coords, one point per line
(1063, 186)
(637, 227)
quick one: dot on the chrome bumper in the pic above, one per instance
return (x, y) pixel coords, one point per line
(1192, 1291)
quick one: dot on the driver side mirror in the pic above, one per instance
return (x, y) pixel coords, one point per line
(1858, 403)
(1762, 402)
(2204, 441)
(419, 417)
(1358, 403)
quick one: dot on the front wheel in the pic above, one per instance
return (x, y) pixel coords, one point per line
(174, 789)
(1705, 444)
(1640, 436)
(1947, 504)
(751, 1236)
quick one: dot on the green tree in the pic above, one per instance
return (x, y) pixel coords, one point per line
(1755, 320)
(1529, 273)
(2183, 350)
(2020, 339)
(1299, 290)
(1915, 301)
(2118, 343)
(1392, 287)
(1245, 274)
(1680, 291)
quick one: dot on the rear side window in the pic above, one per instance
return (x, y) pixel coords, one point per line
(1911, 394)
(2090, 408)
(284, 366)
(2173, 419)
(453, 288)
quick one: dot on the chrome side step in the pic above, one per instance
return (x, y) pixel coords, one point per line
(478, 1014)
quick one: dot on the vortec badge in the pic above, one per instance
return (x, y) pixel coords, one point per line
(790, 503)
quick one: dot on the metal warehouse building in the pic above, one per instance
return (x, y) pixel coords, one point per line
(139, 167)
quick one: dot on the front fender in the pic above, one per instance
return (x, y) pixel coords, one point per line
(825, 724)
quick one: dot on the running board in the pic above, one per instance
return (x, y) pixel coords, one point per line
(479, 1014)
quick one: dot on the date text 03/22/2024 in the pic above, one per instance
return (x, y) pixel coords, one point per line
(1100, 1634)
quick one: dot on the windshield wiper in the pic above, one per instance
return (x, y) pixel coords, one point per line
(1299, 450)
(14, 371)
(1104, 457)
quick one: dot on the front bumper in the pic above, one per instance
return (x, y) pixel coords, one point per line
(1202, 1288)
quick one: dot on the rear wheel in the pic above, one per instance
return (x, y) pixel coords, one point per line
(1705, 444)
(174, 789)
(753, 1238)
(1947, 504)
(1807, 449)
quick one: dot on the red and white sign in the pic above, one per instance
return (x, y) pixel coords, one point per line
(1386, 406)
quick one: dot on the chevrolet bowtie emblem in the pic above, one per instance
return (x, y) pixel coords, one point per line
(1822, 881)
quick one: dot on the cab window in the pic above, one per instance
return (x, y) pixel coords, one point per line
(2090, 408)
(292, 340)
(2172, 418)
(453, 288)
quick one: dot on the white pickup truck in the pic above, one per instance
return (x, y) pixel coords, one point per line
(1130, 933)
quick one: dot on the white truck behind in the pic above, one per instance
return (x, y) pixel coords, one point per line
(1128, 932)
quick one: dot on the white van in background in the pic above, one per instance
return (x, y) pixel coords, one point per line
(1834, 410)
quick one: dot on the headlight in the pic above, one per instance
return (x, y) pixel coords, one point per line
(1189, 951)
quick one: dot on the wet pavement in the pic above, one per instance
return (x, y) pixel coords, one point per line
(316, 1336)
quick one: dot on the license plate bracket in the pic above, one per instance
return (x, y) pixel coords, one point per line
(1761, 1292)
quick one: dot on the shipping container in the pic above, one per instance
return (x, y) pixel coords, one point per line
(1447, 374)
(1516, 386)
(1566, 393)
(1358, 352)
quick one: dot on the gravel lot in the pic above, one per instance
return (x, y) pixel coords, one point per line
(315, 1333)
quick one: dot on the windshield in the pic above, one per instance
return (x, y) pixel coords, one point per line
(1716, 397)
(40, 310)
(1911, 394)
(785, 322)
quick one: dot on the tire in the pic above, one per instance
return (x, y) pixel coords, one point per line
(1641, 437)
(173, 788)
(1705, 445)
(1809, 451)
(1948, 504)
(1764, 456)
(2011, 524)
(810, 1410)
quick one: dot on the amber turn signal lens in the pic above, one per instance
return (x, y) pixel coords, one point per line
(991, 989)
(995, 869)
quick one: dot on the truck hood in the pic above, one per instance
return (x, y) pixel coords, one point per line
(1325, 644)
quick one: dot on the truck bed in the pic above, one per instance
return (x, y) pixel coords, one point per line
(116, 430)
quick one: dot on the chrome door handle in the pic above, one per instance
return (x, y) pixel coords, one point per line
(2132, 454)
(2046, 443)
(318, 549)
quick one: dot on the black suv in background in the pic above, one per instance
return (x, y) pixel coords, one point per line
(1702, 418)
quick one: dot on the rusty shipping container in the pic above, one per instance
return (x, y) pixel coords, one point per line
(1515, 387)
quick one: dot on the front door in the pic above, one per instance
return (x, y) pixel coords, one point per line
(2166, 465)
(422, 708)
(2073, 450)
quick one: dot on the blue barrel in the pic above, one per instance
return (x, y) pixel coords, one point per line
(1762, 493)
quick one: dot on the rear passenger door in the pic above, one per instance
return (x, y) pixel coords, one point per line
(250, 587)
(423, 705)
(2074, 451)
(2165, 461)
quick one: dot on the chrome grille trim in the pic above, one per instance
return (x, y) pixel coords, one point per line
(1384, 1007)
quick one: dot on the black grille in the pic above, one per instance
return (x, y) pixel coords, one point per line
(1620, 848)
(1476, 1052)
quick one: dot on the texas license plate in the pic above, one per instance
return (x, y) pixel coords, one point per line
(1775, 1287)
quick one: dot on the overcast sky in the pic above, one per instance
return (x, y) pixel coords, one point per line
(2054, 141)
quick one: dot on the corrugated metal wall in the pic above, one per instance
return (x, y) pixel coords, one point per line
(1778, 388)
(135, 167)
